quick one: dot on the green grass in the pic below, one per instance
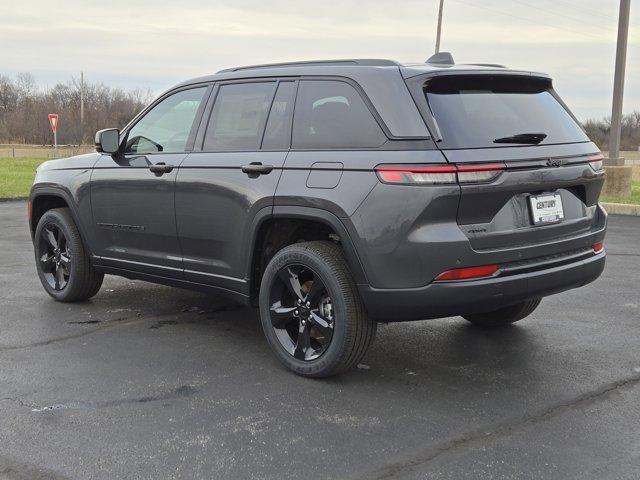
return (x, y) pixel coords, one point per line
(16, 176)
(634, 199)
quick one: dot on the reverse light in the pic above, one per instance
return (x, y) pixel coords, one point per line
(438, 174)
(417, 174)
(598, 247)
(596, 162)
(467, 273)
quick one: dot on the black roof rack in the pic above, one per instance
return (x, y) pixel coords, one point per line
(369, 62)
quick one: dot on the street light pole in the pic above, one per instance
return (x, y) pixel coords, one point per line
(618, 85)
(439, 31)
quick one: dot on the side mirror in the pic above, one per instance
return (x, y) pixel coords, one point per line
(108, 140)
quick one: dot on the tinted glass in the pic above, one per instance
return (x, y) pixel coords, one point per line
(166, 127)
(475, 111)
(332, 114)
(238, 117)
(277, 133)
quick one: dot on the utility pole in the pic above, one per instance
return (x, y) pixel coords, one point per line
(439, 32)
(618, 85)
(81, 107)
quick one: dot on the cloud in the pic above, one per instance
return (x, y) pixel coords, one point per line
(145, 43)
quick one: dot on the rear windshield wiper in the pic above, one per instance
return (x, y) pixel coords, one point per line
(532, 138)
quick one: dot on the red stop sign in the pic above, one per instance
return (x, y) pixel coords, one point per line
(53, 121)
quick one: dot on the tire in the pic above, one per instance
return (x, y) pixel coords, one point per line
(346, 334)
(504, 316)
(78, 280)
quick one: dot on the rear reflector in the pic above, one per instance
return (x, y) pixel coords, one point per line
(29, 210)
(467, 273)
(598, 247)
(438, 174)
(596, 162)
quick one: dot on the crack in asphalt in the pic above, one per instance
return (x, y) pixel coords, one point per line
(103, 326)
(13, 470)
(399, 467)
(182, 391)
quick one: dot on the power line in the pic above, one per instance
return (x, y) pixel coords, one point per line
(547, 24)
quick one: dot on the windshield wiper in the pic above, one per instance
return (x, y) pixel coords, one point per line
(531, 138)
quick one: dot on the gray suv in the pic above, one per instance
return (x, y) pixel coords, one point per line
(335, 195)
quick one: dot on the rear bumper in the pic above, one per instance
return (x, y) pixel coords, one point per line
(446, 299)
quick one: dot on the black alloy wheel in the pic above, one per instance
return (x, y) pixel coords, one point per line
(301, 312)
(54, 256)
(311, 313)
(62, 260)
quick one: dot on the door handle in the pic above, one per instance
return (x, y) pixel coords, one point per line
(257, 168)
(160, 168)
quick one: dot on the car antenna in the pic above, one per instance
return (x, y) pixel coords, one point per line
(441, 58)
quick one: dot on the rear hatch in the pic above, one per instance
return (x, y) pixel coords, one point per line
(533, 175)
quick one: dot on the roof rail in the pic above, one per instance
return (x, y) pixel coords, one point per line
(370, 62)
(441, 58)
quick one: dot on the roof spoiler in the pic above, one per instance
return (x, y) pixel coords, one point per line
(441, 58)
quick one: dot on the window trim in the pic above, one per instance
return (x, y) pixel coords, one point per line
(202, 130)
(124, 134)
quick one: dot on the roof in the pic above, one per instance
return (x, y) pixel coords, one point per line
(381, 79)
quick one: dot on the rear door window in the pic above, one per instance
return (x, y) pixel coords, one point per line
(238, 117)
(474, 111)
(332, 114)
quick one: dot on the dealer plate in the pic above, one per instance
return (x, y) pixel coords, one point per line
(546, 208)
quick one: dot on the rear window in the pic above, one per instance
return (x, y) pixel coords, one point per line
(493, 111)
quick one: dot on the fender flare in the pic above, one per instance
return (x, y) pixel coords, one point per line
(306, 213)
(64, 194)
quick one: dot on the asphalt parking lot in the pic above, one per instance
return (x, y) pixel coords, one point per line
(151, 382)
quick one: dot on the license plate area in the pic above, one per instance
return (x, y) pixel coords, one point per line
(546, 208)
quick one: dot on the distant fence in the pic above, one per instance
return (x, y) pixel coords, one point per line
(43, 151)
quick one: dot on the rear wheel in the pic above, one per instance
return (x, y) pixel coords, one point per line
(63, 264)
(311, 312)
(504, 316)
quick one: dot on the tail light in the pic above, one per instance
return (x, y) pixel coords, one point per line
(485, 172)
(596, 162)
(417, 174)
(468, 273)
(598, 247)
(438, 174)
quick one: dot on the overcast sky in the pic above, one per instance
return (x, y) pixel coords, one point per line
(156, 43)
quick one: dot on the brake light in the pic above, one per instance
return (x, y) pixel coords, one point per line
(467, 273)
(598, 247)
(595, 161)
(438, 174)
(417, 174)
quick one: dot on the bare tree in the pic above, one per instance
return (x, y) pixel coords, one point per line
(24, 108)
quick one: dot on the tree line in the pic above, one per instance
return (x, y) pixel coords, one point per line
(24, 110)
(598, 131)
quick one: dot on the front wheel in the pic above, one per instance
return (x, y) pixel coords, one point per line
(63, 264)
(505, 315)
(311, 312)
